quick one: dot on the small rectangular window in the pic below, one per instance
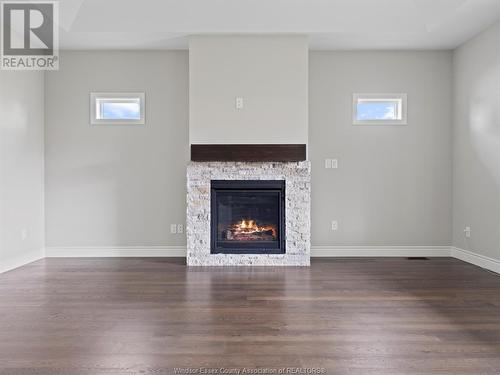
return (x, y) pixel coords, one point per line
(117, 108)
(379, 109)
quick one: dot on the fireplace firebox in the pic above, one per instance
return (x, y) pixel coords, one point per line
(247, 217)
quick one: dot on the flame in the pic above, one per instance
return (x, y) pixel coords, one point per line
(250, 226)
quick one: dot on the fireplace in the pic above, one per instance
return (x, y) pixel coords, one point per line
(247, 217)
(248, 213)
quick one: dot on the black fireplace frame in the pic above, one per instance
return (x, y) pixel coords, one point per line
(247, 186)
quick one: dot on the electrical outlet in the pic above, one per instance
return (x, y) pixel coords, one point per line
(335, 164)
(24, 234)
(335, 225)
(173, 228)
(467, 232)
(239, 102)
(180, 228)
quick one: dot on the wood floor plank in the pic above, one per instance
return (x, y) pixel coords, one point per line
(152, 315)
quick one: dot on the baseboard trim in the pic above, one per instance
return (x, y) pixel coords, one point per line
(316, 251)
(18, 261)
(112, 251)
(476, 259)
(380, 251)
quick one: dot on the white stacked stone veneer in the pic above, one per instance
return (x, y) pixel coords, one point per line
(297, 211)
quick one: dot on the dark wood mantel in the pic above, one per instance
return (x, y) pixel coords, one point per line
(249, 152)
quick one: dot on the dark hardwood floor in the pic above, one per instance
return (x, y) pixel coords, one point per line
(149, 316)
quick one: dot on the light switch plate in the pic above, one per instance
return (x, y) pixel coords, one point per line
(173, 228)
(331, 163)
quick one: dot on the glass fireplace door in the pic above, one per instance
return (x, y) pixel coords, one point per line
(247, 217)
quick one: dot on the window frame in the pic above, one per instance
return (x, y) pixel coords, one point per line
(402, 97)
(119, 96)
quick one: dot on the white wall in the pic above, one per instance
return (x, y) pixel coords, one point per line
(393, 183)
(269, 72)
(21, 168)
(116, 185)
(123, 186)
(476, 144)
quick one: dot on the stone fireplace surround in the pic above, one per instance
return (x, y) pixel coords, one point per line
(297, 211)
